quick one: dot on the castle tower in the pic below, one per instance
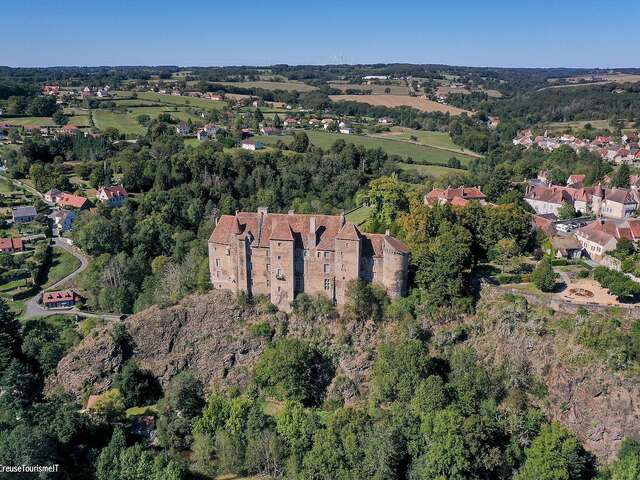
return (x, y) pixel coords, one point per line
(348, 248)
(281, 246)
(395, 267)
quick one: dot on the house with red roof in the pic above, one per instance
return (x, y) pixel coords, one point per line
(284, 254)
(60, 299)
(455, 196)
(602, 236)
(11, 245)
(74, 201)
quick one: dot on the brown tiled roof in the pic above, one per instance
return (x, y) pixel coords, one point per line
(282, 226)
(282, 231)
(448, 194)
(349, 232)
(71, 200)
(619, 195)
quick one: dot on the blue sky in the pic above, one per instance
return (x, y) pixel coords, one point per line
(517, 33)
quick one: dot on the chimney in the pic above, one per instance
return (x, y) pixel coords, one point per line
(387, 232)
(312, 231)
(342, 219)
(263, 210)
(291, 212)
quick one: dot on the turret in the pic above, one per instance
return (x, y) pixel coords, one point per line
(348, 247)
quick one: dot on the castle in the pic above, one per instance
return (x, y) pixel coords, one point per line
(281, 255)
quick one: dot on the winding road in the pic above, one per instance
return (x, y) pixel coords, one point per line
(34, 309)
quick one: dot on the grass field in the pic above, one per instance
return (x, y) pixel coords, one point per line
(176, 100)
(6, 186)
(391, 101)
(78, 120)
(359, 215)
(436, 171)
(431, 139)
(419, 153)
(124, 122)
(288, 86)
(62, 264)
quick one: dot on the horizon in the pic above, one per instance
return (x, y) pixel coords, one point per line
(567, 34)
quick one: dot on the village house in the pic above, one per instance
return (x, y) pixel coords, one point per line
(114, 195)
(23, 214)
(60, 299)
(52, 195)
(11, 245)
(290, 122)
(346, 130)
(51, 90)
(269, 131)
(602, 236)
(385, 120)
(617, 203)
(565, 247)
(282, 255)
(182, 129)
(62, 219)
(251, 145)
(455, 196)
(74, 201)
(69, 129)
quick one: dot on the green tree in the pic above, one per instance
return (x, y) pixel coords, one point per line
(567, 211)
(138, 387)
(555, 454)
(300, 142)
(293, 370)
(60, 118)
(543, 275)
(388, 199)
(182, 403)
(398, 369)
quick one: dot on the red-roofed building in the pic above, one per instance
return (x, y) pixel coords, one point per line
(11, 245)
(60, 299)
(115, 195)
(281, 255)
(454, 196)
(74, 201)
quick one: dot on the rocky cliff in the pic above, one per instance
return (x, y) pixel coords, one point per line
(212, 336)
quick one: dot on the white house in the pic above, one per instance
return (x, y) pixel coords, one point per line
(182, 129)
(251, 145)
(62, 219)
(346, 130)
(115, 195)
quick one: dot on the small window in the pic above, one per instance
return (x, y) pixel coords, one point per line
(327, 268)
(306, 253)
(268, 267)
(327, 284)
(278, 257)
(279, 272)
(219, 274)
(318, 254)
(218, 263)
(326, 254)
(268, 253)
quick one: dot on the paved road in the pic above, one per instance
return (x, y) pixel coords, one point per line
(34, 309)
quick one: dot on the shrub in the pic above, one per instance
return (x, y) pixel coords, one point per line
(508, 278)
(583, 274)
(262, 329)
(543, 276)
(617, 283)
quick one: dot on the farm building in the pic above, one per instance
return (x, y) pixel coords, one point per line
(251, 145)
(10, 245)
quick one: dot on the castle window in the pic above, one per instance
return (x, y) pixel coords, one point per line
(327, 268)
(326, 254)
(278, 257)
(268, 252)
(218, 262)
(279, 244)
(218, 274)
(268, 267)
(327, 284)
(318, 254)
(306, 253)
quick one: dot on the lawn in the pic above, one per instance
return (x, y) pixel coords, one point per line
(125, 122)
(359, 215)
(392, 101)
(41, 121)
(6, 186)
(178, 100)
(419, 153)
(62, 264)
(435, 171)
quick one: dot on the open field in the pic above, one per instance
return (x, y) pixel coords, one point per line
(419, 153)
(288, 86)
(375, 89)
(556, 127)
(391, 101)
(78, 120)
(445, 90)
(359, 215)
(431, 139)
(124, 122)
(599, 79)
(179, 100)
(436, 171)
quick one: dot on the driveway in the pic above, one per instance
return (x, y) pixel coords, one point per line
(34, 309)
